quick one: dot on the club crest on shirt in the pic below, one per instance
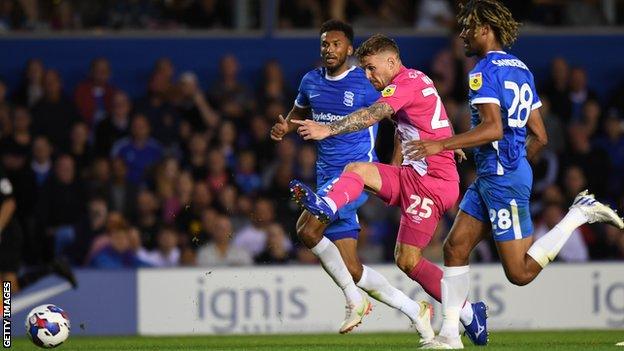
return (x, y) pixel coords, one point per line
(388, 91)
(475, 80)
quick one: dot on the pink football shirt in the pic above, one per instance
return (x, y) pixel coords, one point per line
(420, 115)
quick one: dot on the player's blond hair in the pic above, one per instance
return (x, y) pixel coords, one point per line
(492, 13)
(376, 44)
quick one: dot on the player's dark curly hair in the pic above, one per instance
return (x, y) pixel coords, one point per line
(376, 44)
(493, 13)
(339, 26)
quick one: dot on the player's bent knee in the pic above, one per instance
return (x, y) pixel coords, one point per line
(406, 263)
(309, 236)
(356, 167)
(519, 278)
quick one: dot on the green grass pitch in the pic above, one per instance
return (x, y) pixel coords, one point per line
(534, 341)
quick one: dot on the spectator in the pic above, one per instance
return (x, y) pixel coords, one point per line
(139, 151)
(183, 193)
(306, 164)
(197, 161)
(189, 219)
(434, 14)
(94, 95)
(612, 144)
(228, 94)
(253, 238)
(575, 249)
(115, 126)
(220, 252)
(118, 253)
(79, 148)
(226, 142)
(166, 253)
(122, 194)
(146, 219)
(166, 176)
(581, 154)
(20, 139)
(578, 94)
(193, 107)
(273, 86)
(99, 178)
(92, 226)
(41, 164)
(218, 174)
(157, 107)
(556, 88)
(247, 179)
(54, 114)
(30, 90)
(276, 250)
(61, 207)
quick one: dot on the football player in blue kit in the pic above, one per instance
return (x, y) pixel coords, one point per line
(507, 131)
(327, 94)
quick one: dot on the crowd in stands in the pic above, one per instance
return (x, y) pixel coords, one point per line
(69, 15)
(185, 177)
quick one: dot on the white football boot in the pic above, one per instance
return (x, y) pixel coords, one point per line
(443, 343)
(423, 322)
(354, 314)
(595, 211)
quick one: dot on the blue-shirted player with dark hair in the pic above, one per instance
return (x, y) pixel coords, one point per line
(328, 94)
(507, 131)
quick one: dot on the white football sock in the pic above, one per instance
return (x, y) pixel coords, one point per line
(466, 313)
(333, 264)
(455, 286)
(546, 248)
(331, 203)
(378, 287)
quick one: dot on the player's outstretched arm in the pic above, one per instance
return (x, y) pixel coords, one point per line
(284, 126)
(358, 120)
(537, 137)
(490, 129)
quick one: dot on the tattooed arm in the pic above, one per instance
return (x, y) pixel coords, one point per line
(358, 120)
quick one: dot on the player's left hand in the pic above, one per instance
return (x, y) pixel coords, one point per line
(418, 149)
(311, 130)
(460, 155)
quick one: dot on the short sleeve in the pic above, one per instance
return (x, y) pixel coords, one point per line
(371, 95)
(302, 100)
(483, 88)
(536, 103)
(396, 95)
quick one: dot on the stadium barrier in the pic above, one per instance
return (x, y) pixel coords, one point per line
(132, 57)
(299, 299)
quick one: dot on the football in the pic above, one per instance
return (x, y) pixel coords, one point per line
(47, 326)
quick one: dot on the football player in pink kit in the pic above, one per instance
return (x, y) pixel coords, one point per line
(423, 188)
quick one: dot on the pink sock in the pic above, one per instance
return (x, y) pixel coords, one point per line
(428, 275)
(348, 188)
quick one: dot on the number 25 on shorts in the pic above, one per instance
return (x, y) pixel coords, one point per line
(503, 219)
(424, 210)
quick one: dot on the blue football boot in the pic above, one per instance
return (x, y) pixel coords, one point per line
(308, 199)
(476, 331)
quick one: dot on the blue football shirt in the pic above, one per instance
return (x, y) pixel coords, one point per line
(331, 99)
(504, 80)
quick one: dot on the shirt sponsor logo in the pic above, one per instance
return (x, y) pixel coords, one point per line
(326, 117)
(388, 91)
(475, 81)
